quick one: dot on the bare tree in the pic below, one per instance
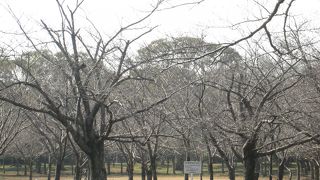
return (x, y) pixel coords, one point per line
(55, 139)
(28, 146)
(82, 93)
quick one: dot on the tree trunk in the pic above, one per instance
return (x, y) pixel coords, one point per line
(186, 176)
(97, 170)
(168, 165)
(17, 166)
(30, 169)
(25, 168)
(224, 158)
(4, 165)
(231, 173)
(265, 167)
(290, 172)
(210, 168)
(58, 169)
(109, 167)
(298, 170)
(154, 168)
(45, 168)
(270, 167)
(304, 168)
(307, 167)
(210, 158)
(222, 167)
(149, 174)
(121, 167)
(312, 170)
(143, 169)
(249, 161)
(316, 169)
(49, 167)
(38, 166)
(77, 169)
(201, 174)
(130, 170)
(249, 167)
(281, 169)
(72, 169)
(174, 164)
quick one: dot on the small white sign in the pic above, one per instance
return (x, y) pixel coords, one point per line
(192, 167)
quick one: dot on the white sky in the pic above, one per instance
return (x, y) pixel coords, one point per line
(208, 18)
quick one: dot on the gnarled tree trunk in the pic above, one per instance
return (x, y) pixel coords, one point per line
(96, 161)
(249, 160)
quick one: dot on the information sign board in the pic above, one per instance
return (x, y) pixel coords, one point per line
(192, 167)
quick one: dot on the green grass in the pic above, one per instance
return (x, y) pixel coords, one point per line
(162, 170)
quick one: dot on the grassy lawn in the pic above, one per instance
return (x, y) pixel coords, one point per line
(10, 173)
(125, 178)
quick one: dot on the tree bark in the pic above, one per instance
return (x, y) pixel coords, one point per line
(121, 167)
(281, 169)
(4, 165)
(58, 169)
(168, 165)
(154, 167)
(97, 170)
(77, 169)
(143, 169)
(174, 164)
(149, 174)
(45, 168)
(232, 174)
(18, 166)
(72, 169)
(308, 166)
(186, 176)
(38, 166)
(109, 166)
(270, 167)
(290, 172)
(225, 158)
(316, 169)
(222, 167)
(298, 169)
(210, 159)
(249, 167)
(312, 170)
(130, 170)
(249, 160)
(25, 168)
(49, 167)
(265, 167)
(210, 168)
(30, 169)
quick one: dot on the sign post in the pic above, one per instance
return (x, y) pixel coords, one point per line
(192, 167)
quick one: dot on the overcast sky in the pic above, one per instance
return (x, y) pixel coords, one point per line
(210, 18)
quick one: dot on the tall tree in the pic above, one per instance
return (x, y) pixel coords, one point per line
(80, 90)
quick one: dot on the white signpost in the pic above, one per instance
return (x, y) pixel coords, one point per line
(192, 167)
